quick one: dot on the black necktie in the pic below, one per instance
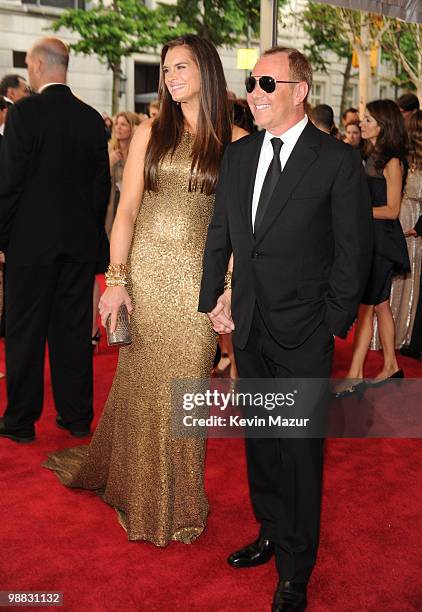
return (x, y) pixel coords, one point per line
(270, 181)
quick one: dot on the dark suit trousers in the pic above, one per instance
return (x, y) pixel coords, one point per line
(285, 474)
(50, 303)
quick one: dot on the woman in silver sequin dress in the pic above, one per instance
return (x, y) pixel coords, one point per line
(156, 482)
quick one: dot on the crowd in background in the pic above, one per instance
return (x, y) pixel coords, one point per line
(405, 284)
(121, 128)
(389, 140)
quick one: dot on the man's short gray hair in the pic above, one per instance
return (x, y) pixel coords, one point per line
(54, 52)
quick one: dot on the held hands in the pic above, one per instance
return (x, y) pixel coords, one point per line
(110, 302)
(220, 316)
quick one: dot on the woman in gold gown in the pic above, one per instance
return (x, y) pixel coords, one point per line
(155, 481)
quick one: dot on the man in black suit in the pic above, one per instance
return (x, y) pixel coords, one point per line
(293, 206)
(414, 349)
(53, 196)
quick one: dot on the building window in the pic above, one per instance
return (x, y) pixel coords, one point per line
(19, 59)
(317, 94)
(383, 92)
(351, 98)
(147, 77)
(64, 4)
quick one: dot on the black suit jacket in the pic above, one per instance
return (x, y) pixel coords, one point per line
(311, 258)
(54, 179)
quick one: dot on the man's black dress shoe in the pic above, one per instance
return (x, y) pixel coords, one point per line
(76, 433)
(257, 553)
(289, 597)
(408, 351)
(14, 435)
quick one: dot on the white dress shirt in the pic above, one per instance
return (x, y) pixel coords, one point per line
(289, 138)
(3, 125)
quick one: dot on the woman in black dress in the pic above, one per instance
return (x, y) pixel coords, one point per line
(384, 132)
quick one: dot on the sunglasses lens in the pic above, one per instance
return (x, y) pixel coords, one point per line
(250, 84)
(267, 84)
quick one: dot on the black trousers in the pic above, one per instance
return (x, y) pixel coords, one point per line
(50, 303)
(285, 474)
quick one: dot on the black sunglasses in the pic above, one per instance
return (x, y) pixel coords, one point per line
(266, 83)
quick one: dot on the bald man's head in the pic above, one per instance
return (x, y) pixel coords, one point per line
(47, 62)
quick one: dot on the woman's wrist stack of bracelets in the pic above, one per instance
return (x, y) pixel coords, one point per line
(228, 281)
(116, 275)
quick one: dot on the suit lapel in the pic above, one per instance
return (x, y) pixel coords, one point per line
(303, 155)
(249, 167)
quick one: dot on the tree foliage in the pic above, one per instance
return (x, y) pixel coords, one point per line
(223, 22)
(342, 31)
(402, 44)
(115, 31)
(327, 32)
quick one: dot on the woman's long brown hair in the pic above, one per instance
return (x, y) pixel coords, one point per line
(213, 130)
(415, 140)
(392, 139)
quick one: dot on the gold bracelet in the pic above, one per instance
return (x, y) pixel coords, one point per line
(116, 275)
(228, 281)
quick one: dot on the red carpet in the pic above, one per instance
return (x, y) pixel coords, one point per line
(55, 539)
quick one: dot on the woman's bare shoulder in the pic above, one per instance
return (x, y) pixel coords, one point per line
(393, 167)
(142, 133)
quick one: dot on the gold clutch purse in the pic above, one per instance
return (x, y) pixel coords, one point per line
(121, 335)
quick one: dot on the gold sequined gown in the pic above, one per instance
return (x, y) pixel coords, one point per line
(156, 483)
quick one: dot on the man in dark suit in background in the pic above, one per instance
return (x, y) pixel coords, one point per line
(293, 206)
(14, 87)
(54, 190)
